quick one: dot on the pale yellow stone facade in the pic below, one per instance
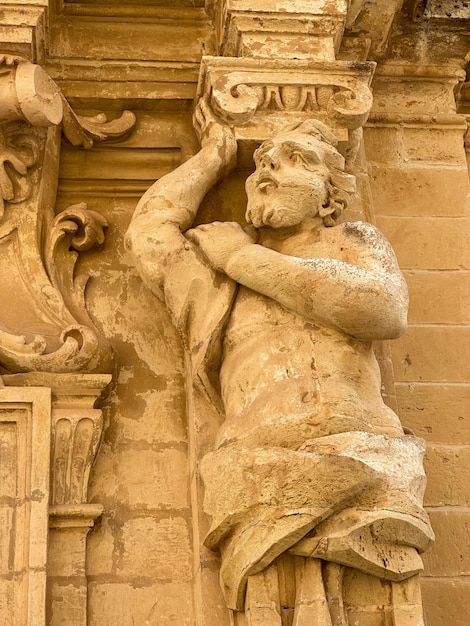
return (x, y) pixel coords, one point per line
(106, 421)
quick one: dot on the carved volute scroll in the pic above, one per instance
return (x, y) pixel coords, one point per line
(244, 91)
(48, 329)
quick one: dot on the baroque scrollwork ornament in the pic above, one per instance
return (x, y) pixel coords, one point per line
(244, 91)
(40, 251)
(18, 153)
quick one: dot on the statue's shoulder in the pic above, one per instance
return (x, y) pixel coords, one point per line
(360, 234)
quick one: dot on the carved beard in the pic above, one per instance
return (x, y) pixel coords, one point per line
(284, 206)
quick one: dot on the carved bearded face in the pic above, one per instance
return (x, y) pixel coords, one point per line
(290, 182)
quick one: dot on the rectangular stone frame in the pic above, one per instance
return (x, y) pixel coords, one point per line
(25, 425)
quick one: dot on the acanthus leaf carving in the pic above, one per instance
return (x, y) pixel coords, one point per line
(18, 153)
(84, 131)
(74, 230)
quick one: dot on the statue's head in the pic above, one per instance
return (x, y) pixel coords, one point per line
(299, 175)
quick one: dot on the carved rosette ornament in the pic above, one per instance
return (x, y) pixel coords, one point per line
(49, 328)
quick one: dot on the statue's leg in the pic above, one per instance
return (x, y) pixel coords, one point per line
(311, 605)
(262, 606)
(406, 603)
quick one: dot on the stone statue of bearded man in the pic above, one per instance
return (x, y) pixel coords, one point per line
(311, 474)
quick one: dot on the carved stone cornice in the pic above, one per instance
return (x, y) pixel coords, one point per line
(261, 28)
(23, 29)
(48, 329)
(433, 102)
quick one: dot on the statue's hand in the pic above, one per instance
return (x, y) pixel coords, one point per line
(212, 131)
(219, 241)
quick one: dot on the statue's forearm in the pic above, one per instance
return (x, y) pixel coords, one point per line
(168, 209)
(366, 304)
(176, 197)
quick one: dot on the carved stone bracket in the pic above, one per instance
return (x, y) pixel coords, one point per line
(260, 97)
(49, 328)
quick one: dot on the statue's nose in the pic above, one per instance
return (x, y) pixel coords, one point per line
(270, 161)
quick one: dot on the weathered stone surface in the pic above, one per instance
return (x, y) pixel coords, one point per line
(273, 476)
(114, 602)
(167, 557)
(435, 411)
(25, 422)
(438, 298)
(450, 555)
(417, 246)
(282, 61)
(447, 471)
(433, 191)
(446, 601)
(432, 354)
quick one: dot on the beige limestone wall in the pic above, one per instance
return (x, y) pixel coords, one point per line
(139, 562)
(140, 555)
(420, 191)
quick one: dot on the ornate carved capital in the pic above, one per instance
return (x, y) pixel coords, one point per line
(77, 426)
(260, 97)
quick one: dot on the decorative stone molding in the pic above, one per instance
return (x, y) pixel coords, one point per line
(76, 429)
(49, 328)
(23, 29)
(259, 29)
(25, 416)
(443, 81)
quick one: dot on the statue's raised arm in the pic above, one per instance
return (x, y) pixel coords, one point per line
(197, 296)
(156, 233)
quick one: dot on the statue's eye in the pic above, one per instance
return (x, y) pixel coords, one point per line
(297, 157)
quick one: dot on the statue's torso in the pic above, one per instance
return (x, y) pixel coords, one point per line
(285, 380)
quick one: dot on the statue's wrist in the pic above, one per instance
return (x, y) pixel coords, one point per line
(237, 263)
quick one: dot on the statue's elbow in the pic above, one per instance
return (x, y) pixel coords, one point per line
(398, 329)
(397, 323)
